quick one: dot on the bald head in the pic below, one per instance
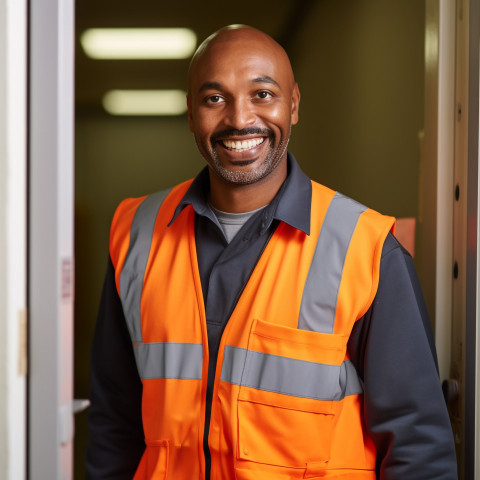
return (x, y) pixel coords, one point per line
(242, 101)
(241, 35)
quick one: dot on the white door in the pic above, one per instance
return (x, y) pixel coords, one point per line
(50, 240)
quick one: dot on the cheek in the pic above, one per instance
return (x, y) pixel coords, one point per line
(281, 118)
(205, 125)
(201, 134)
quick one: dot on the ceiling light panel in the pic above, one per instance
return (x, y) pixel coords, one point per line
(145, 102)
(138, 43)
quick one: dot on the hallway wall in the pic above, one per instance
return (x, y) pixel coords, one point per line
(360, 70)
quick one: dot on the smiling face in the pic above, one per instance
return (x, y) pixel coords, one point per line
(242, 102)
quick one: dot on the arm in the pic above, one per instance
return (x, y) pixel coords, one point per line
(116, 440)
(393, 349)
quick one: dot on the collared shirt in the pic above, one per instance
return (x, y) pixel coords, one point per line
(391, 346)
(226, 267)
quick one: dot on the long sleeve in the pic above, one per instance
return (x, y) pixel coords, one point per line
(116, 440)
(393, 349)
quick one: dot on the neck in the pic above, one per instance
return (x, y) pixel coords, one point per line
(233, 198)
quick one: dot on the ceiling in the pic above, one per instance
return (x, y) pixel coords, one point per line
(281, 19)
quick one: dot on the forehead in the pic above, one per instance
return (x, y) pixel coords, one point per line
(237, 60)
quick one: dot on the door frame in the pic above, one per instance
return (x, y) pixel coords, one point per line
(50, 239)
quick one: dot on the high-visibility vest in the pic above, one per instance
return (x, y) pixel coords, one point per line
(287, 400)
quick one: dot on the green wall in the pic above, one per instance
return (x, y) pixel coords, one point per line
(359, 65)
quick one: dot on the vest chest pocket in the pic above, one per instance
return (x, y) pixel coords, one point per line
(290, 395)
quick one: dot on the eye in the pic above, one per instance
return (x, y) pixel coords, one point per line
(264, 94)
(213, 99)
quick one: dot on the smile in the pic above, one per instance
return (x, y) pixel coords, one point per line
(242, 145)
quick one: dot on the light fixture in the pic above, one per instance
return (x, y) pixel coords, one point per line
(145, 102)
(138, 43)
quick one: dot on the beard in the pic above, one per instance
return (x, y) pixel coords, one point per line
(262, 170)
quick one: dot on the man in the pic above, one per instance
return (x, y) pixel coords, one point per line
(255, 324)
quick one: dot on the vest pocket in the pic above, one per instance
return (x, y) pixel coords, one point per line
(288, 437)
(156, 459)
(290, 396)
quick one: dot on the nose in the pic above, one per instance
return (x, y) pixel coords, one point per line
(240, 114)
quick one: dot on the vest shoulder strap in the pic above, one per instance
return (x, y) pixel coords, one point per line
(345, 263)
(131, 236)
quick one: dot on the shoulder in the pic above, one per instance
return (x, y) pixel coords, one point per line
(394, 247)
(394, 255)
(341, 206)
(130, 207)
(141, 212)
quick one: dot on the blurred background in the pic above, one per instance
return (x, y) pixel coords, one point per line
(360, 69)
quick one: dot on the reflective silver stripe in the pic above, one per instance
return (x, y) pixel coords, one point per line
(349, 377)
(233, 364)
(289, 376)
(319, 300)
(169, 360)
(133, 271)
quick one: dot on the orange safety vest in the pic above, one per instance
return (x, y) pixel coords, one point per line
(287, 401)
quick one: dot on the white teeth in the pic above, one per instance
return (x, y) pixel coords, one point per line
(241, 146)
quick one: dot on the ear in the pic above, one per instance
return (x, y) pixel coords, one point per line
(190, 116)
(295, 104)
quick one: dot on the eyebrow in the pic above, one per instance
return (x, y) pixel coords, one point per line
(265, 79)
(210, 86)
(218, 86)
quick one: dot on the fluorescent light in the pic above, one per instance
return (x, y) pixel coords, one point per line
(145, 102)
(138, 43)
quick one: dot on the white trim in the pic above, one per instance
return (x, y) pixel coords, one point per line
(445, 189)
(13, 246)
(50, 275)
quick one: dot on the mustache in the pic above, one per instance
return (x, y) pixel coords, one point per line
(240, 133)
